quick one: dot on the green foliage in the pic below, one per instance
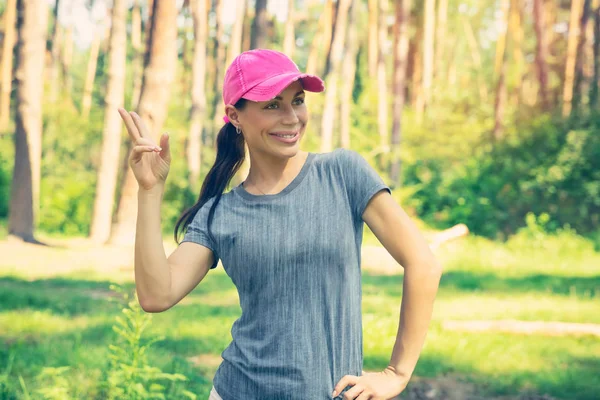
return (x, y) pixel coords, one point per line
(545, 168)
(130, 374)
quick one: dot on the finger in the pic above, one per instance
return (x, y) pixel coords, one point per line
(165, 153)
(365, 395)
(345, 381)
(353, 393)
(137, 120)
(138, 151)
(131, 128)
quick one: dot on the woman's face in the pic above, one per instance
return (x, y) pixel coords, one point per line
(285, 114)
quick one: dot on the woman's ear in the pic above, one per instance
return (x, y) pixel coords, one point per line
(232, 114)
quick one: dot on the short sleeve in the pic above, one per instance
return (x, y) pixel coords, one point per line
(197, 231)
(361, 180)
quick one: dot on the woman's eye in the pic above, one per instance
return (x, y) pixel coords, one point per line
(272, 106)
(299, 101)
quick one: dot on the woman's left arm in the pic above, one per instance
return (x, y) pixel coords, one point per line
(422, 272)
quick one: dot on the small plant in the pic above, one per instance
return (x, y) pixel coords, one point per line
(130, 376)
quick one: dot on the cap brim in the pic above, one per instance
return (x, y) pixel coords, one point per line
(273, 86)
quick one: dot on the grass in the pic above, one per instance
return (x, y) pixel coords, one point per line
(67, 320)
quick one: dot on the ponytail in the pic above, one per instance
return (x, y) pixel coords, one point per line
(230, 156)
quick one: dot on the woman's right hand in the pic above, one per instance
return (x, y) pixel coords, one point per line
(149, 163)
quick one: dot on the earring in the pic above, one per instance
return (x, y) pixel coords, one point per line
(238, 130)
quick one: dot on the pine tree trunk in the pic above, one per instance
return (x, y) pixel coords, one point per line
(88, 88)
(382, 86)
(349, 72)
(137, 56)
(580, 73)
(258, 38)
(541, 53)
(10, 17)
(573, 38)
(111, 135)
(198, 111)
(289, 41)
(476, 57)
(516, 29)
(440, 37)
(31, 46)
(322, 38)
(428, 52)
(159, 73)
(500, 102)
(55, 55)
(66, 61)
(235, 42)
(401, 29)
(373, 48)
(220, 73)
(331, 79)
(596, 74)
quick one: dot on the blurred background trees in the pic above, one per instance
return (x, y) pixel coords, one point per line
(474, 112)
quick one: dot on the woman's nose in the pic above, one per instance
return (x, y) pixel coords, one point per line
(290, 117)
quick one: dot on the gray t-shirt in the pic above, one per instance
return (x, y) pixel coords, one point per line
(294, 258)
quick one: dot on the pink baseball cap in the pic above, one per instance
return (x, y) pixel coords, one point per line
(261, 74)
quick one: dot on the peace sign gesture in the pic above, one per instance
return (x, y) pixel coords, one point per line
(149, 163)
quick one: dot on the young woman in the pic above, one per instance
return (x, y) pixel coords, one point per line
(289, 237)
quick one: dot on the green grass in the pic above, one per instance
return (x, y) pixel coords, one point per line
(67, 321)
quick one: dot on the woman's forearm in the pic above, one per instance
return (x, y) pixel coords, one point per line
(419, 290)
(152, 273)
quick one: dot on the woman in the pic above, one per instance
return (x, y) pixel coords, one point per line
(289, 237)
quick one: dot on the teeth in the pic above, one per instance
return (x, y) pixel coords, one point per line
(286, 136)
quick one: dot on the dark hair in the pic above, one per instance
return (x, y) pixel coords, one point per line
(230, 156)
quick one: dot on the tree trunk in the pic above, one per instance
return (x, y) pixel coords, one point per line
(349, 72)
(501, 43)
(137, 60)
(596, 79)
(10, 17)
(220, 73)
(335, 56)
(401, 28)
(573, 38)
(66, 61)
(373, 42)
(440, 37)
(289, 41)
(258, 37)
(476, 57)
(428, 52)
(235, 43)
(247, 28)
(156, 88)
(580, 73)
(24, 197)
(541, 53)
(111, 135)
(198, 111)
(86, 103)
(55, 55)
(382, 86)
(500, 102)
(515, 27)
(417, 74)
(322, 37)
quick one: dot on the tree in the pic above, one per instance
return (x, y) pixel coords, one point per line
(500, 73)
(136, 45)
(382, 85)
(289, 41)
(428, 54)
(7, 62)
(399, 83)
(111, 135)
(331, 79)
(373, 32)
(198, 110)
(55, 54)
(258, 36)
(88, 88)
(159, 73)
(349, 72)
(541, 51)
(31, 46)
